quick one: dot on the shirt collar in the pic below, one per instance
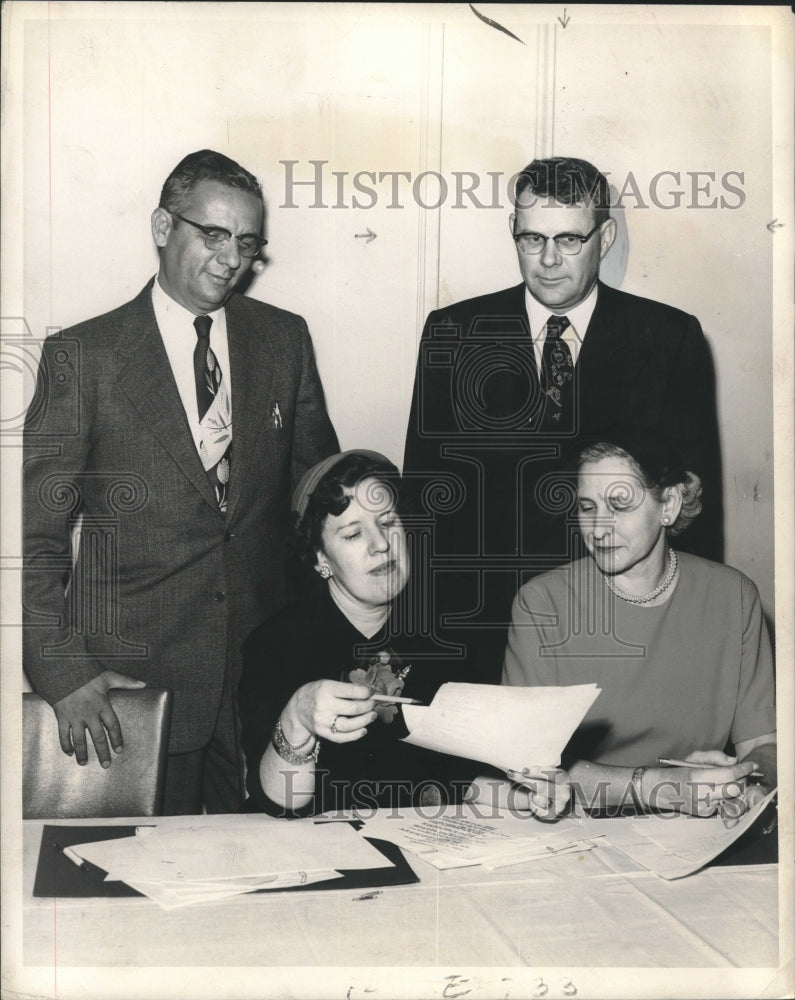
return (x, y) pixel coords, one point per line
(161, 300)
(579, 316)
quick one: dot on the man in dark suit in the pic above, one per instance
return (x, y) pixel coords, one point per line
(507, 383)
(168, 436)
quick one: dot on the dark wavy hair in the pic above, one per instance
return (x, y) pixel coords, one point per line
(567, 180)
(657, 466)
(329, 497)
(205, 165)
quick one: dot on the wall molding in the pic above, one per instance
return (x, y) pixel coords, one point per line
(546, 44)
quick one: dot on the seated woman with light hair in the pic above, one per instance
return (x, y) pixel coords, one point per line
(314, 733)
(677, 644)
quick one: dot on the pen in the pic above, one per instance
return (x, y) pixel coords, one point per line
(74, 858)
(689, 763)
(395, 699)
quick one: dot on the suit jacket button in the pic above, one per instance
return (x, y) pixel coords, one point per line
(219, 597)
(228, 536)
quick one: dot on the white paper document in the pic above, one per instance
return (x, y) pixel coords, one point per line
(200, 863)
(670, 844)
(509, 727)
(463, 835)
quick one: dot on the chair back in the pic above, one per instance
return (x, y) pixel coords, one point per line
(55, 786)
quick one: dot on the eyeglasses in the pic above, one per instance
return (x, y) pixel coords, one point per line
(567, 243)
(216, 238)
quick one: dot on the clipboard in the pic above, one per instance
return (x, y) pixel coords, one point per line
(58, 877)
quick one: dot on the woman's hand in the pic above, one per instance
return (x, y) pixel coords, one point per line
(732, 809)
(719, 787)
(544, 791)
(732, 812)
(335, 710)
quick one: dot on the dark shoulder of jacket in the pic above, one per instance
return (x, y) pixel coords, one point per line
(250, 310)
(99, 331)
(658, 313)
(497, 304)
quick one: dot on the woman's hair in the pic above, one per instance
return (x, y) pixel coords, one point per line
(658, 468)
(329, 497)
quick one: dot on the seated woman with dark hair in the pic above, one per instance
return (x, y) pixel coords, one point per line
(677, 644)
(311, 672)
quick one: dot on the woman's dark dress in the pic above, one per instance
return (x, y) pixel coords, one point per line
(312, 640)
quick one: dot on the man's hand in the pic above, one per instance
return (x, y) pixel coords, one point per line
(89, 708)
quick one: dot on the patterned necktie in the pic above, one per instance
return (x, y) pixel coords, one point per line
(557, 365)
(215, 416)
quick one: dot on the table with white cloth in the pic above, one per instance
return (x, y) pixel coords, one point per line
(595, 909)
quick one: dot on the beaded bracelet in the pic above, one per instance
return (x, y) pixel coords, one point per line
(294, 755)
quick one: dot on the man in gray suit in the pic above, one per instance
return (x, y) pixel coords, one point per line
(154, 522)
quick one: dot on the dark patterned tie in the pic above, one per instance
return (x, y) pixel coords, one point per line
(217, 426)
(205, 366)
(557, 365)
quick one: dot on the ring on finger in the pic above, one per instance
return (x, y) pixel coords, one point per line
(334, 725)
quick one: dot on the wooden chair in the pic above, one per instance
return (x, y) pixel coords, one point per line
(54, 786)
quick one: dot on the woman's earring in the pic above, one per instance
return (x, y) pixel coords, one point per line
(666, 520)
(325, 572)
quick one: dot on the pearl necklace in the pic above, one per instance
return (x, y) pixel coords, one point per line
(667, 580)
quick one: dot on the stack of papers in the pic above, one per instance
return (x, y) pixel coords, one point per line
(509, 727)
(462, 836)
(194, 864)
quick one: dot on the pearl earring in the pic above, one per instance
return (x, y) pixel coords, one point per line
(325, 572)
(666, 520)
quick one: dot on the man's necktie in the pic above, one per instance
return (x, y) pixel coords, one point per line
(215, 417)
(557, 365)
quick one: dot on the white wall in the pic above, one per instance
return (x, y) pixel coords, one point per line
(715, 262)
(115, 94)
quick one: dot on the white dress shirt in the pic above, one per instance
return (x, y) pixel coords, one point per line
(179, 339)
(579, 317)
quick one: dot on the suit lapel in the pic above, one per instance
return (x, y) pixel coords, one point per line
(146, 378)
(253, 364)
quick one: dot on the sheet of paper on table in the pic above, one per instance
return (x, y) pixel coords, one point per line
(190, 864)
(509, 727)
(670, 844)
(464, 835)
